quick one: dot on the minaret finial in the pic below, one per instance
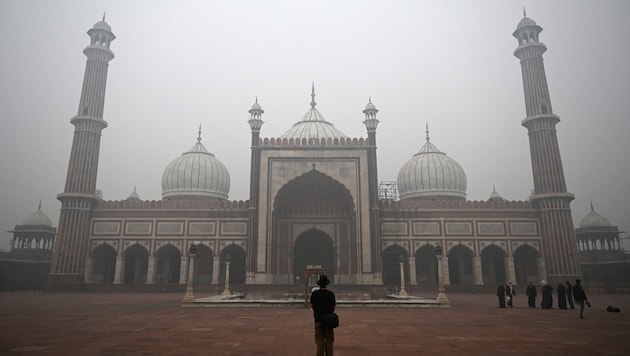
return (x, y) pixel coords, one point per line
(313, 103)
(428, 138)
(40, 205)
(494, 190)
(199, 137)
(524, 12)
(592, 209)
(104, 12)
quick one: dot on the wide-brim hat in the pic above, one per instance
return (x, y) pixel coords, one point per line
(323, 280)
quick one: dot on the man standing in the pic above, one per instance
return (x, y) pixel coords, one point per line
(509, 291)
(323, 302)
(580, 296)
(531, 295)
(501, 295)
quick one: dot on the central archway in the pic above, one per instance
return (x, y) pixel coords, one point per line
(314, 247)
(326, 207)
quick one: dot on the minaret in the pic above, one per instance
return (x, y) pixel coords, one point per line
(371, 122)
(79, 196)
(550, 196)
(255, 124)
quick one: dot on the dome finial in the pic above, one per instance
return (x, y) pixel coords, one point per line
(428, 138)
(104, 12)
(592, 209)
(199, 137)
(524, 12)
(40, 206)
(313, 103)
(494, 189)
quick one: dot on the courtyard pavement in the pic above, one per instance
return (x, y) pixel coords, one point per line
(156, 324)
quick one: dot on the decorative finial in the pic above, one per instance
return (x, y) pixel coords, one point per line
(494, 190)
(256, 99)
(313, 103)
(428, 138)
(524, 12)
(370, 99)
(199, 137)
(134, 189)
(104, 12)
(592, 209)
(40, 205)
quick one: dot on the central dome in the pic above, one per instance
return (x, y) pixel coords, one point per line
(313, 125)
(431, 174)
(196, 173)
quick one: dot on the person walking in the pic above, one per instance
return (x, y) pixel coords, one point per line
(323, 302)
(562, 296)
(547, 295)
(580, 296)
(569, 291)
(501, 295)
(510, 293)
(531, 295)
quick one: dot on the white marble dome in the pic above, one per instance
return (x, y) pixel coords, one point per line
(594, 219)
(431, 174)
(37, 218)
(196, 173)
(313, 125)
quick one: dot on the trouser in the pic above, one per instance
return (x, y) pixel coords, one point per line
(324, 339)
(581, 302)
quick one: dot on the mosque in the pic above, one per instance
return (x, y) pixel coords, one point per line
(315, 202)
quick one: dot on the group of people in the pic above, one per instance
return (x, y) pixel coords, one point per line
(566, 292)
(506, 292)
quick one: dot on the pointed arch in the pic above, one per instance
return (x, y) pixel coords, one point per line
(493, 265)
(460, 270)
(103, 264)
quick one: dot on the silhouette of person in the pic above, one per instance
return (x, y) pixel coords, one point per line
(510, 293)
(323, 302)
(547, 295)
(531, 295)
(501, 295)
(562, 296)
(579, 296)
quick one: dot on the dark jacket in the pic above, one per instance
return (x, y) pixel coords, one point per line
(578, 293)
(323, 302)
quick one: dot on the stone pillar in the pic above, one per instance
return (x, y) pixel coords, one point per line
(445, 271)
(542, 268)
(119, 270)
(477, 272)
(413, 279)
(183, 268)
(510, 272)
(151, 270)
(215, 270)
(89, 265)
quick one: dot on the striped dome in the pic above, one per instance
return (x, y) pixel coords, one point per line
(196, 173)
(313, 125)
(431, 174)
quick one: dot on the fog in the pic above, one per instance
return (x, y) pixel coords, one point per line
(183, 64)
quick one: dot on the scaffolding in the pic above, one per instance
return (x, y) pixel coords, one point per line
(387, 191)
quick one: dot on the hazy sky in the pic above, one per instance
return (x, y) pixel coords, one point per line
(180, 64)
